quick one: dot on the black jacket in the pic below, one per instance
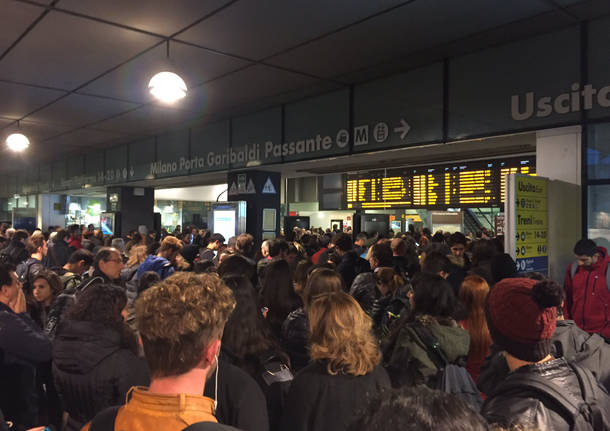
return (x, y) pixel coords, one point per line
(58, 254)
(294, 338)
(364, 290)
(322, 402)
(93, 369)
(526, 408)
(388, 309)
(22, 345)
(269, 370)
(350, 266)
(129, 278)
(569, 341)
(241, 403)
(407, 266)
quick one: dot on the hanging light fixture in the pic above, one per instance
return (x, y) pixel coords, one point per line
(17, 141)
(167, 86)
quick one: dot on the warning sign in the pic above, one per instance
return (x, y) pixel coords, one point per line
(269, 188)
(250, 189)
(233, 189)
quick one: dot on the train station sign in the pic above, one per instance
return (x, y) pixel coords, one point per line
(524, 85)
(528, 223)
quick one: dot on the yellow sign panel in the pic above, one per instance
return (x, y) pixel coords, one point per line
(531, 223)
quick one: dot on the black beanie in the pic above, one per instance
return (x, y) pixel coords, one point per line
(503, 266)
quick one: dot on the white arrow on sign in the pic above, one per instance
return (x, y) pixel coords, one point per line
(403, 129)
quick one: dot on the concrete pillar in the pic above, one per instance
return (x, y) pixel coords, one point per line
(261, 191)
(134, 205)
(51, 211)
(558, 157)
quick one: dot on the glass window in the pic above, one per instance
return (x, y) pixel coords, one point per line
(599, 215)
(598, 151)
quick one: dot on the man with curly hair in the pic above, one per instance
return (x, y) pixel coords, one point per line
(181, 321)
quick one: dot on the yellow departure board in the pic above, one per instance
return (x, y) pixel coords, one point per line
(468, 184)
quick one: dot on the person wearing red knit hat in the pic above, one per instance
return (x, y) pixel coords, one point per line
(541, 392)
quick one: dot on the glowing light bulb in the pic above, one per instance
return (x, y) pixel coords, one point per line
(167, 87)
(17, 142)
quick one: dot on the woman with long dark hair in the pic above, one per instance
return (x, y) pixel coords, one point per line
(277, 296)
(95, 355)
(247, 343)
(345, 370)
(46, 286)
(433, 310)
(473, 294)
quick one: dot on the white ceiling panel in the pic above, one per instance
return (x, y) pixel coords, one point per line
(156, 16)
(14, 20)
(411, 28)
(146, 120)
(64, 51)
(130, 81)
(256, 29)
(77, 110)
(16, 100)
(243, 87)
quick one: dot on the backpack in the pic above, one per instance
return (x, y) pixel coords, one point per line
(61, 304)
(581, 415)
(574, 270)
(104, 421)
(25, 277)
(452, 379)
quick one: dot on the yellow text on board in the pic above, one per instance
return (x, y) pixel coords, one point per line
(531, 218)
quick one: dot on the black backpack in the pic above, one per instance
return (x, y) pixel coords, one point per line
(26, 277)
(581, 415)
(61, 305)
(452, 378)
(104, 421)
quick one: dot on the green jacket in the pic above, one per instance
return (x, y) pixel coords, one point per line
(406, 357)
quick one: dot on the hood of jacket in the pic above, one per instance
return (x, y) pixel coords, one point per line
(451, 337)
(80, 346)
(153, 263)
(601, 261)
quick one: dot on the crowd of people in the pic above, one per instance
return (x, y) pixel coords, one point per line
(317, 330)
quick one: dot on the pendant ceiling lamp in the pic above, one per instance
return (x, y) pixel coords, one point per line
(167, 86)
(17, 141)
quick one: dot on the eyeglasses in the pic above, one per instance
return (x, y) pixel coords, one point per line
(114, 260)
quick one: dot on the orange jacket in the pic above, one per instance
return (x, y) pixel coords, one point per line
(147, 411)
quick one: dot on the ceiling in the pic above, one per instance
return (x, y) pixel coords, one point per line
(74, 73)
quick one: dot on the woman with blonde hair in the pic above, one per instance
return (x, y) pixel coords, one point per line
(295, 329)
(345, 371)
(129, 274)
(473, 294)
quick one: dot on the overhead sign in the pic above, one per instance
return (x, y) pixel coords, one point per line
(400, 110)
(315, 127)
(483, 101)
(527, 223)
(468, 184)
